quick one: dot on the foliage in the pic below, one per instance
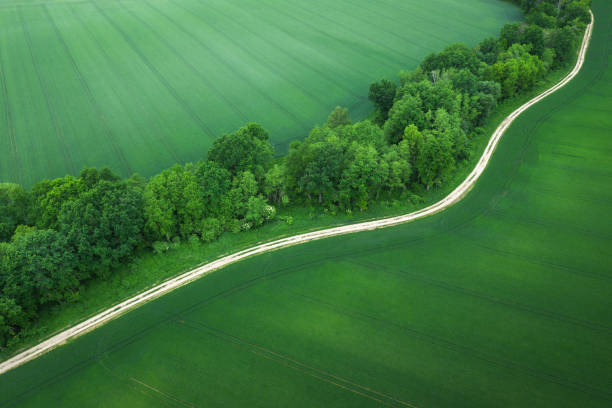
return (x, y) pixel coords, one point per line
(516, 70)
(275, 186)
(211, 229)
(247, 149)
(406, 111)
(338, 117)
(258, 211)
(103, 225)
(457, 56)
(14, 206)
(382, 95)
(173, 205)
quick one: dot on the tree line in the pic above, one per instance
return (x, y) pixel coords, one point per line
(67, 231)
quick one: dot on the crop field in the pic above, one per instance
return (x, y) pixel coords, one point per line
(504, 300)
(141, 85)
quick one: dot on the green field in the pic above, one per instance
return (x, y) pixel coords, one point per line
(504, 300)
(141, 85)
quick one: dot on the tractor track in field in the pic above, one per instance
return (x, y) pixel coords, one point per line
(455, 196)
(414, 21)
(358, 34)
(535, 261)
(266, 63)
(237, 111)
(290, 114)
(387, 60)
(110, 135)
(273, 23)
(417, 43)
(59, 131)
(298, 61)
(505, 302)
(300, 366)
(456, 19)
(175, 94)
(112, 63)
(8, 114)
(460, 348)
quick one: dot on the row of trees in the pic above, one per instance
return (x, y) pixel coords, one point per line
(72, 229)
(423, 125)
(66, 231)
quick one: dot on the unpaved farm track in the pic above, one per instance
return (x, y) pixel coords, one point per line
(197, 273)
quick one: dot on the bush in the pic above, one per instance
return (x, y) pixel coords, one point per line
(287, 219)
(259, 211)
(159, 247)
(211, 229)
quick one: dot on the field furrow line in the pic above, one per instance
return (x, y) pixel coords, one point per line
(59, 132)
(594, 127)
(538, 261)
(10, 127)
(367, 23)
(387, 60)
(112, 63)
(126, 341)
(186, 107)
(596, 326)
(599, 110)
(110, 136)
(262, 62)
(299, 61)
(549, 224)
(547, 191)
(424, 18)
(318, 376)
(237, 111)
(238, 74)
(591, 149)
(273, 23)
(456, 17)
(36, 4)
(138, 388)
(457, 347)
(296, 364)
(358, 34)
(79, 365)
(451, 199)
(595, 173)
(164, 394)
(425, 35)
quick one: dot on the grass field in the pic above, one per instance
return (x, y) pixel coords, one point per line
(504, 300)
(140, 85)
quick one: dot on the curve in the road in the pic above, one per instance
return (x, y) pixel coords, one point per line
(455, 196)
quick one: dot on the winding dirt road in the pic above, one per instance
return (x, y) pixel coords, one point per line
(197, 273)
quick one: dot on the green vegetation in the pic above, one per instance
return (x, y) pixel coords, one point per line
(154, 83)
(73, 229)
(501, 300)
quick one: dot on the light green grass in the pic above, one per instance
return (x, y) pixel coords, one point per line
(502, 300)
(140, 85)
